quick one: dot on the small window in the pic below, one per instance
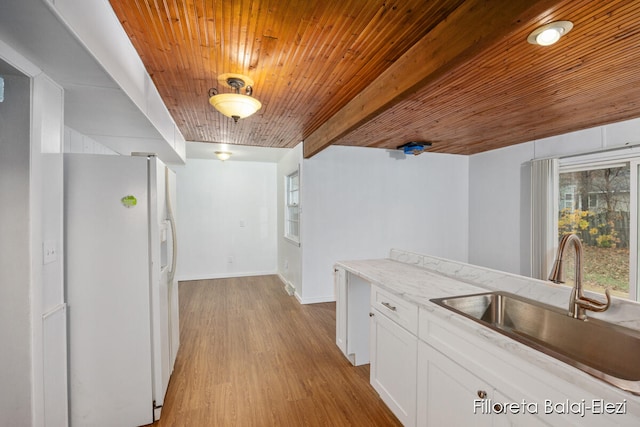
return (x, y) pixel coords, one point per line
(292, 207)
(567, 200)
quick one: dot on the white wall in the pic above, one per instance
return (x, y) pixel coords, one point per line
(499, 208)
(226, 211)
(499, 192)
(76, 142)
(359, 203)
(15, 317)
(289, 253)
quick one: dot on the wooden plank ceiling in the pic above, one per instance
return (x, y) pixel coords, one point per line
(459, 73)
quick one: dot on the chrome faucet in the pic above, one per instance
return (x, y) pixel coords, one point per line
(578, 303)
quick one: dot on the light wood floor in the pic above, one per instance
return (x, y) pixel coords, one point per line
(251, 355)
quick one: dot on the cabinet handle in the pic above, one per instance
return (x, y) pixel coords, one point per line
(389, 306)
(371, 314)
(482, 394)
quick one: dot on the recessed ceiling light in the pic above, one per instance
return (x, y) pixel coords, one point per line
(550, 33)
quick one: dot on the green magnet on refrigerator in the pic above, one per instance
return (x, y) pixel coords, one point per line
(129, 201)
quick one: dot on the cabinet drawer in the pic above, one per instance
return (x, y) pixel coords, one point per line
(395, 308)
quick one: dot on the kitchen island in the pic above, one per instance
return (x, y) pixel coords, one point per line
(432, 366)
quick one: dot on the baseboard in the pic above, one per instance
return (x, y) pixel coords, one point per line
(184, 278)
(315, 300)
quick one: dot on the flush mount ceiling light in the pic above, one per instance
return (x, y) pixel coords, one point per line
(223, 155)
(550, 33)
(235, 105)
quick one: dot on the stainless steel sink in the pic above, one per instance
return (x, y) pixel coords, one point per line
(604, 350)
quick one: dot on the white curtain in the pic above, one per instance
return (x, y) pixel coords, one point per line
(544, 216)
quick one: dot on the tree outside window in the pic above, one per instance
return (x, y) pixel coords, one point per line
(595, 205)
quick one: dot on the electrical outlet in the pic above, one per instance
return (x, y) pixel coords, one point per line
(49, 251)
(230, 260)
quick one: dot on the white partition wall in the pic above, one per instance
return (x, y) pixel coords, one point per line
(289, 252)
(360, 202)
(34, 385)
(49, 344)
(15, 318)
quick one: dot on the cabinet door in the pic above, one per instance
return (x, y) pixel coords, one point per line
(523, 416)
(393, 366)
(449, 395)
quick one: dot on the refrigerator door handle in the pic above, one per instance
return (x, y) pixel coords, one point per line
(172, 272)
(174, 250)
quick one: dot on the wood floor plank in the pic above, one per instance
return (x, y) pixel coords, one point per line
(251, 355)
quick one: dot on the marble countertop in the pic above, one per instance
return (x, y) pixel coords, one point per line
(419, 278)
(413, 283)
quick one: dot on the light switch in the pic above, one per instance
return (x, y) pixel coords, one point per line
(49, 251)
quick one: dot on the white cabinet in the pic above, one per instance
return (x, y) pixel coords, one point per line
(457, 366)
(461, 383)
(435, 368)
(393, 351)
(395, 308)
(449, 395)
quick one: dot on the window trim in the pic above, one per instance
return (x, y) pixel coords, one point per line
(610, 160)
(634, 273)
(295, 239)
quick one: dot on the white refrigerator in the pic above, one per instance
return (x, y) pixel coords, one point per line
(120, 252)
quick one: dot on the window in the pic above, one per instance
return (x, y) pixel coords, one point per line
(596, 202)
(292, 207)
(568, 192)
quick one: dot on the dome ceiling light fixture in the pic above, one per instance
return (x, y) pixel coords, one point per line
(548, 34)
(235, 105)
(223, 155)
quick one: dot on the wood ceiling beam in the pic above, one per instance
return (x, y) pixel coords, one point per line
(466, 33)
